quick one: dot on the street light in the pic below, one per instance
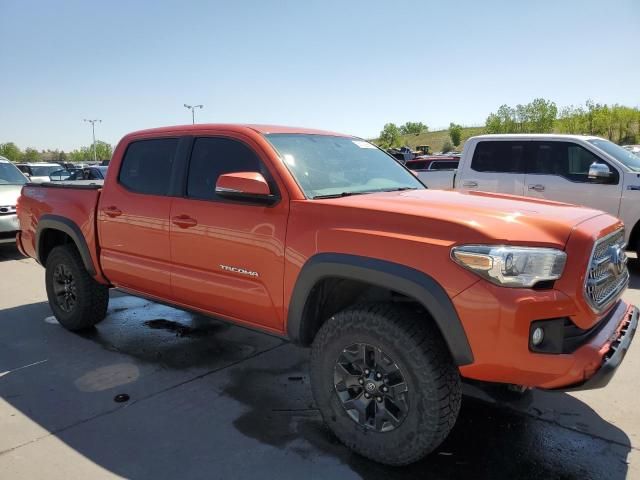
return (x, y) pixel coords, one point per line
(193, 111)
(93, 130)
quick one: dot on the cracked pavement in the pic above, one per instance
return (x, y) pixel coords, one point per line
(211, 400)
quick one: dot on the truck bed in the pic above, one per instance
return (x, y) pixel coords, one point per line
(72, 203)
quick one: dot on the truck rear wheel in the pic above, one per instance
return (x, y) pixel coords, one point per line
(78, 302)
(384, 382)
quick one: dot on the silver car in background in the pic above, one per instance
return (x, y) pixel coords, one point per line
(11, 182)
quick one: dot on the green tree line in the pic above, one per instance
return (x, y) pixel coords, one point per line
(617, 123)
(84, 154)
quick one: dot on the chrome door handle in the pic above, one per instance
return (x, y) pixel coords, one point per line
(112, 211)
(537, 187)
(470, 184)
(184, 221)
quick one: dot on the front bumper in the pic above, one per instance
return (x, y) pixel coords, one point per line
(497, 323)
(9, 226)
(617, 349)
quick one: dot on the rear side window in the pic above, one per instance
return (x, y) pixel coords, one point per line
(417, 165)
(443, 166)
(500, 157)
(146, 166)
(214, 156)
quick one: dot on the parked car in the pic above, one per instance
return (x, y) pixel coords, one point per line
(38, 172)
(433, 162)
(11, 182)
(577, 169)
(89, 173)
(402, 154)
(327, 241)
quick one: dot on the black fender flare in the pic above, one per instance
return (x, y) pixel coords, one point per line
(63, 224)
(400, 278)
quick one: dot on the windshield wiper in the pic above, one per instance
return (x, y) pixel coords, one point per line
(338, 195)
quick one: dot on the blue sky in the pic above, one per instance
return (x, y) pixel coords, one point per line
(346, 66)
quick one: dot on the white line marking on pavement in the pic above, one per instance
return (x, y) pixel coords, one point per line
(2, 374)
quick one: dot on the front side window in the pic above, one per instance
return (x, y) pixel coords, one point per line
(563, 159)
(10, 175)
(627, 158)
(146, 166)
(499, 157)
(215, 156)
(332, 166)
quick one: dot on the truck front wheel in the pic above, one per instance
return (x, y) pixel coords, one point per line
(384, 382)
(78, 302)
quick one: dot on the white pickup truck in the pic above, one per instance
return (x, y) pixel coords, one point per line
(575, 169)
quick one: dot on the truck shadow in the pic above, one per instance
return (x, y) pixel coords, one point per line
(218, 401)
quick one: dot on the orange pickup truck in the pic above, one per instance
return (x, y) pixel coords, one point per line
(326, 240)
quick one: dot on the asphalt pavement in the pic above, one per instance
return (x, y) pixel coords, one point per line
(154, 392)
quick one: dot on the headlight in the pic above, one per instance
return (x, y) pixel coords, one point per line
(511, 266)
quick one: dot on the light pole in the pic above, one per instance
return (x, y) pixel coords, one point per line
(93, 131)
(193, 111)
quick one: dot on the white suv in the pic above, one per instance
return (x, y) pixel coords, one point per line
(11, 182)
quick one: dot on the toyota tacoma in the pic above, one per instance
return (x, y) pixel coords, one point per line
(325, 240)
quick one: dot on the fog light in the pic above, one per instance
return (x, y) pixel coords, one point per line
(537, 336)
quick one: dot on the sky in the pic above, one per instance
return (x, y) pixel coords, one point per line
(337, 65)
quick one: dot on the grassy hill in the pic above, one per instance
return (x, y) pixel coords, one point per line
(437, 139)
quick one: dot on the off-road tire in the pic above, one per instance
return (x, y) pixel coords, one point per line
(91, 297)
(414, 343)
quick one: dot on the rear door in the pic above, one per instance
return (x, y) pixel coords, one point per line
(228, 256)
(134, 218)
(496, 166)
(559, 170)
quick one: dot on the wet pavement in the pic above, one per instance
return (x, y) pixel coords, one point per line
(155, 392)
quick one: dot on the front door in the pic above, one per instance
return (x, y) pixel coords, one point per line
(228, 256)
(559, 171)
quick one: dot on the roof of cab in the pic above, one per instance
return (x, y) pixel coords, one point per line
(262, 129)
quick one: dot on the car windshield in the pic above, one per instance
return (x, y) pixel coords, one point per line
(10, 175)
(331, 166)
(103, 171)
(43, 170)
(627, 158)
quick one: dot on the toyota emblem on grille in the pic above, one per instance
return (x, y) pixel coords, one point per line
(617, 259)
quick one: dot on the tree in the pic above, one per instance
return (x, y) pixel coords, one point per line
(11, 151)
(389, 136)
(413, 128)
(31, 155)
(447, 147)
(85, 154)
(455, 133)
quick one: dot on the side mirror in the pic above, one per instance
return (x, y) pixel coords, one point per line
(599, 172)
(247, 186)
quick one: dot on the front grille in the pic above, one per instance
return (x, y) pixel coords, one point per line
(607, 274)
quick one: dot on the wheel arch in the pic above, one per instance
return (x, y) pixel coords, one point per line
(407, 281)
(51, 232)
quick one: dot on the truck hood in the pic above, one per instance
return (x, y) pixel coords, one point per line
(496, 218)
(9, 194)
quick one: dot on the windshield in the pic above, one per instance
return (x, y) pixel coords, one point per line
(43, 171)
(326, 166)
(628, 159)
(103, 171)
(10, 175)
